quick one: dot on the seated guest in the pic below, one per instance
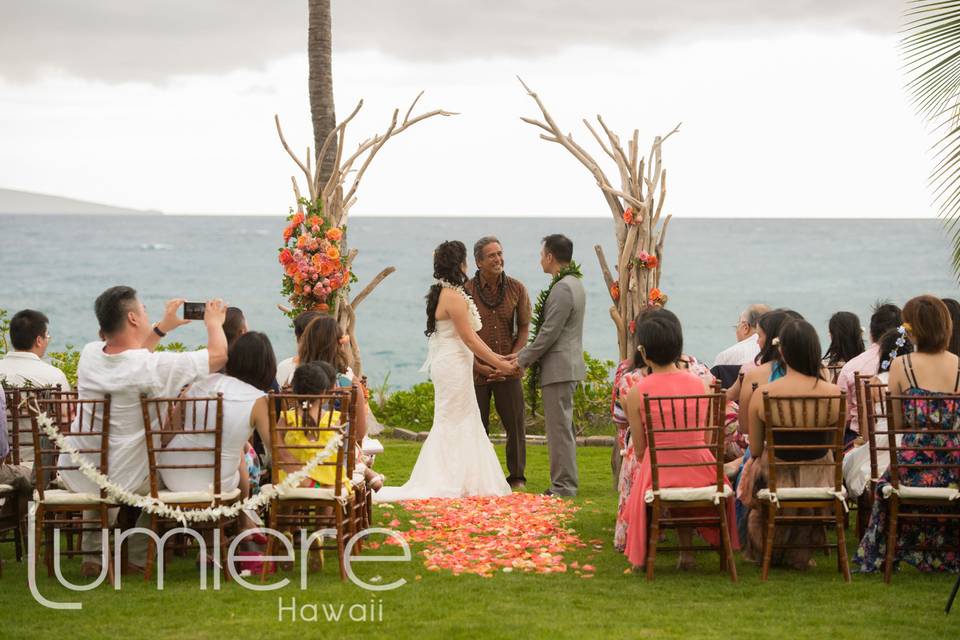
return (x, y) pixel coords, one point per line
(234, 326)
(800, 360)
(249, 374)
(323, 341)
(769, 366)
(125, 366)
(747, 347)
(660, 339)
(285, 368)
(628, 375)
(856, 462)
(930, 370)
(18, 476)
(954, 308)
(310, 379)
(886, 316)
(846, 338)
(24, 366)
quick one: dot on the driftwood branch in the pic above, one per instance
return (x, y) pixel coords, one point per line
(367, 290)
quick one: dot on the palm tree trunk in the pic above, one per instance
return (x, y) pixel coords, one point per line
(321, 83)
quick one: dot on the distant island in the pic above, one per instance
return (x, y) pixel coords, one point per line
(25, 202)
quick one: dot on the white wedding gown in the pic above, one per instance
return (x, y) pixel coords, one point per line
(457, 458)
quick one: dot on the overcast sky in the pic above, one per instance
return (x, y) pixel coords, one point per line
(788, 108)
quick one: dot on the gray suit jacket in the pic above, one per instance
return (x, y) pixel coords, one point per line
(559, 345)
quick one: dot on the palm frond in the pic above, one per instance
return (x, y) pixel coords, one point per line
(931, 53)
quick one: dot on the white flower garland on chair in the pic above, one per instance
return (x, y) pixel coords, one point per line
(156, 506)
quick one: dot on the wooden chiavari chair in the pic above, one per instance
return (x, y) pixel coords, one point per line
(313, 508)
(689, 415)
(88, 422)
(799, 431)
(872, 417)
(198, 425)
(908, 444)
(833, 372)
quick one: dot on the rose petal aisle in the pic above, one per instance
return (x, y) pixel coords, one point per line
(483, 535)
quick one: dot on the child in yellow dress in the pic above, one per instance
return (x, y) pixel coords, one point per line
(314, 378)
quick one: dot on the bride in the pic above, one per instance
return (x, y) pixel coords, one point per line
(457, 458)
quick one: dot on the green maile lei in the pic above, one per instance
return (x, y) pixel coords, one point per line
(572, 269)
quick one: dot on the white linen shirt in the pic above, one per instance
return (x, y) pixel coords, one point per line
(125, 376)
(19, 368)
(285, 369)
(741, 353)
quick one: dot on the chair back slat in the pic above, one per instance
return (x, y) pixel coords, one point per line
(17, 399)
(86, 422)
(684, 414)
(290, 413)
(910, 441)
(197, 422)
(833, 372)
(872, 415)
(797, 428)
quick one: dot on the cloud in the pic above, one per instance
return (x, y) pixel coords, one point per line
(122, 41)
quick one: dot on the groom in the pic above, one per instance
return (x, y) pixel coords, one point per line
(558, 349)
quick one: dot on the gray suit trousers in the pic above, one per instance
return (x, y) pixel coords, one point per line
(561, 440)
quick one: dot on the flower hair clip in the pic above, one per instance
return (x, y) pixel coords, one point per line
(900, 344)
(776, 341)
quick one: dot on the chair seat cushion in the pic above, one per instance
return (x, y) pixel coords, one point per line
(61, 496)
(801, 493)
(371, 446)
(183, 497)
(313, 493)
(923, 493)
(689, 494)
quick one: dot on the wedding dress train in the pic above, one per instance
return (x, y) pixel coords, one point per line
(457, 458)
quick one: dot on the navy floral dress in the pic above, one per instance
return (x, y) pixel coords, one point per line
(934, 414)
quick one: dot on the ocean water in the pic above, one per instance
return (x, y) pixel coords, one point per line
(713, 268)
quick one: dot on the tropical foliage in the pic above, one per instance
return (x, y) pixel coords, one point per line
(931, 51)
(413, 408)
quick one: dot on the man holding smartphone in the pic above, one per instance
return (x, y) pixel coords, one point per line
(125, 365)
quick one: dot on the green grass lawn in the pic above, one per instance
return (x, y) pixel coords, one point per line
(700, 604)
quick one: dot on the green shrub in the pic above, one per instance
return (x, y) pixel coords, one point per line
(413, 408)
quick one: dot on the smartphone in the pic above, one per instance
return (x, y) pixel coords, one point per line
(193, 310)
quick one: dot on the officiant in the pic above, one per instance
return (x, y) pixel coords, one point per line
(504, 308)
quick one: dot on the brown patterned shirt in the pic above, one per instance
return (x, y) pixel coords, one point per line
(501, 324)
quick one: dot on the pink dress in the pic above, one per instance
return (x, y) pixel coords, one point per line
(680, 383)
(625, 378)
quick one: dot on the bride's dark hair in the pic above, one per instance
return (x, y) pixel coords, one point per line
(448, 258)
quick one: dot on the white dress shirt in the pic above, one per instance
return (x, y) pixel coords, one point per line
(20, 368)
(741, 353)
(125, 376)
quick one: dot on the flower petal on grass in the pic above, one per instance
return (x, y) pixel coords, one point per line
(484, 535)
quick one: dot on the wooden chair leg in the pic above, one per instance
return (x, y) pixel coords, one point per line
(48, 550)
(727, 560)
(843, 561)
(152, 551)
(653, 538)
(341, 530)
(893, 511)
(272, 523)
(105, 541)
(770, 526)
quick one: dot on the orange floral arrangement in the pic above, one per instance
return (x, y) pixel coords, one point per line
(314, 270)
(657, 297)
(645, 260)
(628, 216)
(615, 291)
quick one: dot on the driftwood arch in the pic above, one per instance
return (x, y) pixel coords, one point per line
(637, 210)
(339, 193)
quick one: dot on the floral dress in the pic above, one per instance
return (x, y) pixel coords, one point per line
(935, 414)
(625, 378)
